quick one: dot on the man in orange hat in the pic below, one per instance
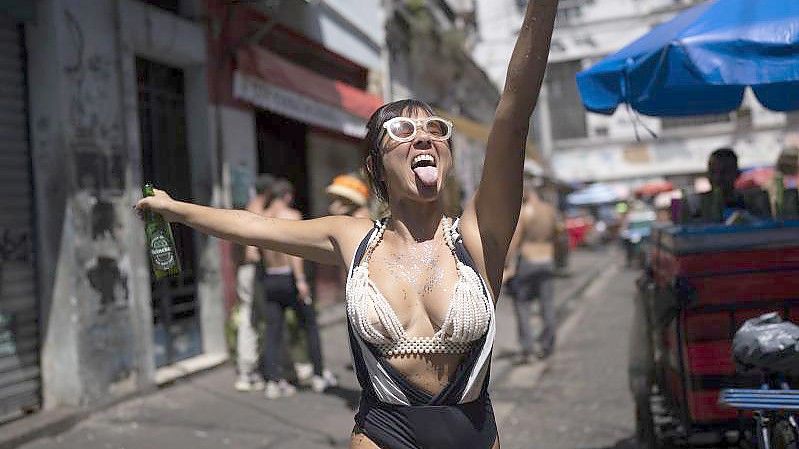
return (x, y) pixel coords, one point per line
(348, 196)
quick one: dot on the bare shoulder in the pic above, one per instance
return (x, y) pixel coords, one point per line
(349, 232)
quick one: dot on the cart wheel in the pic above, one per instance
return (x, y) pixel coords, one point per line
(645, 425)
(783, 436)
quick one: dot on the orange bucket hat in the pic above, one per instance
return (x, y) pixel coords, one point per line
(349, 187)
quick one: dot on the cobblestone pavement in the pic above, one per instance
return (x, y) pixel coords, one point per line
(580, 400)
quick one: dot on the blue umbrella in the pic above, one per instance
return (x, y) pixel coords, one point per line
(701, 61)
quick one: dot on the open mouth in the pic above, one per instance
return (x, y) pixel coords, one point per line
(424, 166)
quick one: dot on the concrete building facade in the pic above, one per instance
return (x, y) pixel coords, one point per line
(591, 147)
(99, 79)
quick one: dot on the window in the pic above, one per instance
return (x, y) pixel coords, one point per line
(567, 15)
(566, 110)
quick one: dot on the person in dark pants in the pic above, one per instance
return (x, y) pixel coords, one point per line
(281, 293)
(529, 270)
(285, 285)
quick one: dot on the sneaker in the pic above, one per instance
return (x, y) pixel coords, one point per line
(318, 384)
(545, 353)
(247, 384)
(279, 389)
(330, 378)
(304, 372)
(272, 390)
(522, 359)
(242, 385)
(286, 389)
(257, 384)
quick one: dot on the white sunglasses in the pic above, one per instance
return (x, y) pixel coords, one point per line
(404, 129)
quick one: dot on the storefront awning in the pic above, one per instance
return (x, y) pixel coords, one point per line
(271, 82)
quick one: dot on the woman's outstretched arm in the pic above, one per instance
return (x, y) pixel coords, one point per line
(313, 240)
(494, 210)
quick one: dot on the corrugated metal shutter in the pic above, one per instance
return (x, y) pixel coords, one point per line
(19, 315)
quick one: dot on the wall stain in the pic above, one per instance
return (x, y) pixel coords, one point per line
(109, 281)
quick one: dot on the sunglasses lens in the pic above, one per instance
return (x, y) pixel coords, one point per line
(437, 127)
(402, 128)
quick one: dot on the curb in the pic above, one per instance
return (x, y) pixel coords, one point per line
(53, 422)
(49, 423)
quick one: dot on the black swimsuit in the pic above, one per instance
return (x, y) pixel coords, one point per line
(395, 414)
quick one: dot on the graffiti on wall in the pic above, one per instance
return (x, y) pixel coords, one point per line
(14, 246)
(95, 142)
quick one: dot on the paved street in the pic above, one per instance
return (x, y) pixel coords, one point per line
(581, 400)
(576, 400)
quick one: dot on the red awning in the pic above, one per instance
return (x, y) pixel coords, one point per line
(257, 61)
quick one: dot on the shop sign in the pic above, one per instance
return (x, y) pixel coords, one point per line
(296, 106)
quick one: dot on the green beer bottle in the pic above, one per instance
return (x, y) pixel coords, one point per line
(779, 196)
(161, 244)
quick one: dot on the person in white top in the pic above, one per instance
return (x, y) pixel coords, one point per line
(249, 379)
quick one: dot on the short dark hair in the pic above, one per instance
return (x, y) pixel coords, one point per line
(263, 183)
(281, 187)
(725, 153)
(372, 150)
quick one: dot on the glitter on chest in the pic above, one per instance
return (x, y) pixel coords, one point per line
(419, 268)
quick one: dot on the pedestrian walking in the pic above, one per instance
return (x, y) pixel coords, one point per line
(530, 268)
(249, 377)
(421, 286)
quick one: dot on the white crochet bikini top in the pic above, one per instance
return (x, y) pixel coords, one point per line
(466, 321)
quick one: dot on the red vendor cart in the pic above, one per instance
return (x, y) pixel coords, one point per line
(701, 284)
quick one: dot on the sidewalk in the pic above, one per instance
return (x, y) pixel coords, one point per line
(203, 411)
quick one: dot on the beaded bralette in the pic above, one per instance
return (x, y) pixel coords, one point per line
(466, 320)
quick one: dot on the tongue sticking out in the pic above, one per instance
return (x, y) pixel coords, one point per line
(428, 175)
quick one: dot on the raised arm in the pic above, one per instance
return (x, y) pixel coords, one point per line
(314, 240)
(494, 210)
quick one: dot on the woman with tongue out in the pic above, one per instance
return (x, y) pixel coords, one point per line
(421, 286)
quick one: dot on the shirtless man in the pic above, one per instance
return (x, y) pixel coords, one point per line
(285, 285)
(530, 265)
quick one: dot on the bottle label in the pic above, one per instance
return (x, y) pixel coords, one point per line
(162, 254)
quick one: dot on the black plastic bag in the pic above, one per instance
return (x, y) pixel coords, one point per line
(769, 343)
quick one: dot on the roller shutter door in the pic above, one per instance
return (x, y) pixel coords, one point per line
(20, 383)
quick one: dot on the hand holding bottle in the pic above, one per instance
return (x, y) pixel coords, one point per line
(160, 203)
